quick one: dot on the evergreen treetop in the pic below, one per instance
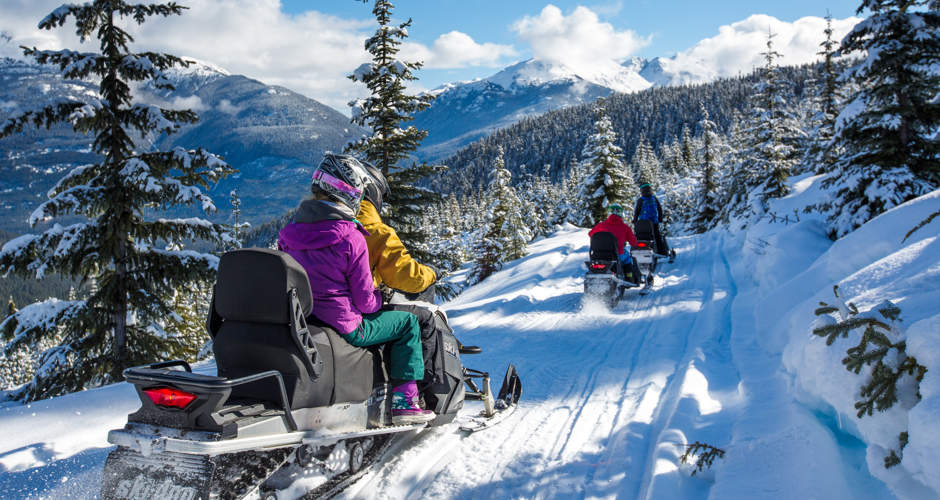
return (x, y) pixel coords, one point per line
(389, 147)
(132, 255)
(506, 234)
(607, 181)
(888, 127)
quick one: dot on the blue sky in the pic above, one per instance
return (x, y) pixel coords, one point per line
(671, 25)
(311, 46)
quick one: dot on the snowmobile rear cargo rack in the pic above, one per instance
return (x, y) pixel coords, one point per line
(217, 389)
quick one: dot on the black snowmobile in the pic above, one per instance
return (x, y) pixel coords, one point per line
(647, 253)
(607, 278)
(287, 394)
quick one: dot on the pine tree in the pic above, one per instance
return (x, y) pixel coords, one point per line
(882, 347)
(506, 234)
(238, 227)
(827, 101)
(733, 176)
(889, 126)
(772, 132)
(646, 164)
(389, 146)
(89, 342)
(687, 151)
(607, 181)
(712, 151)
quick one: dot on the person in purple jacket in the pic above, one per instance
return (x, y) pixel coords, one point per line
(329, 243)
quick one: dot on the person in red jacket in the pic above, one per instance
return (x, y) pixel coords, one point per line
(615, 225)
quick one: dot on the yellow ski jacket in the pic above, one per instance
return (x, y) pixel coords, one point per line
(388, 258)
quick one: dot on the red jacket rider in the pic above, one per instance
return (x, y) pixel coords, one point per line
(615, 225)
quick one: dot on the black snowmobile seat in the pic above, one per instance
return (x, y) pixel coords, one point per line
(255, 330)
(604, 246)
(645, 231)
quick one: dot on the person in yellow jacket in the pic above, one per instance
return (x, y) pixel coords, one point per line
(389, 260)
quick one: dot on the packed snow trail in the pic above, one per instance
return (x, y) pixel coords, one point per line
(609, 398)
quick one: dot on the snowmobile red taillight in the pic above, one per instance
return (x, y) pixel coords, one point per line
(168, 396)
(641, 245)
(598, 266)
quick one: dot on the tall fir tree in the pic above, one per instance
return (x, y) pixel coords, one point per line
(707, 202)
(772, 131)
(687, 152)
(607, 181)
(121, 244)
(238, 227)
(822, 153)
(389, 146)
(505, 234)
(889, 127)
(646, 164)
(733, 179)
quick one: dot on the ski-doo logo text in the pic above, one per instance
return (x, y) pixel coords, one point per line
(450, 348)
(142, 488)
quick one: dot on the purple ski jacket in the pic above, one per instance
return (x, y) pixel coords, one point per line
(336, 258)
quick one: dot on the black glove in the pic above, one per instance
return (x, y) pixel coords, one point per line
(438, 274)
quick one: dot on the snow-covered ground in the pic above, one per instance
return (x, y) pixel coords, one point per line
(721, 353)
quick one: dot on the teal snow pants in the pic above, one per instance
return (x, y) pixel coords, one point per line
(401, 330)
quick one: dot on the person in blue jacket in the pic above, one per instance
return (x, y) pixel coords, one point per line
(649, 208)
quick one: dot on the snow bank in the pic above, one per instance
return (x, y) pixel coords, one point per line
(870, 265)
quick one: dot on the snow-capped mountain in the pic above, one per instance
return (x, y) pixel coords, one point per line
(271, 134)
(530, 88)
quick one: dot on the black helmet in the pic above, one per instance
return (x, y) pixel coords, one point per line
(646, 189)
(376, 185)
(341, 177)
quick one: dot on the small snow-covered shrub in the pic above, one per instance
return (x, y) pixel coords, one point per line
(893, 375)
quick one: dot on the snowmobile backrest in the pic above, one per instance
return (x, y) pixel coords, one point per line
(261, 300)
(604, 246)
(253, 284)
(645, 230)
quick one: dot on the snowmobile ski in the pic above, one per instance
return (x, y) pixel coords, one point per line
(289, 397)
(494, 410)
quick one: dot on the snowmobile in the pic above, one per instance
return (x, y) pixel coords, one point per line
(646, 253)
(604, 281)
(287, 393)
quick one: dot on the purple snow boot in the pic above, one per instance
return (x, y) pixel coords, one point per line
(405, 405)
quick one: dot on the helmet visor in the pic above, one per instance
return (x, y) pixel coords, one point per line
(338, 184)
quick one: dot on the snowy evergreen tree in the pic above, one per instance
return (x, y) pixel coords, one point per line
(238, 227)
(120, 244)
(889, 127)
(733, 176)
(506, 233)
(891, 374)
(541, 200)
(389, 146)
(687, 150)
(646, 165)
(772, 132)
(827, 101)
(607, 181)
(712, 151)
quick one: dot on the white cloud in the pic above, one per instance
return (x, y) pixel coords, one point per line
(226, 106)
(737, 48)
(310, 53)
(579, 40)
(457, 50)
